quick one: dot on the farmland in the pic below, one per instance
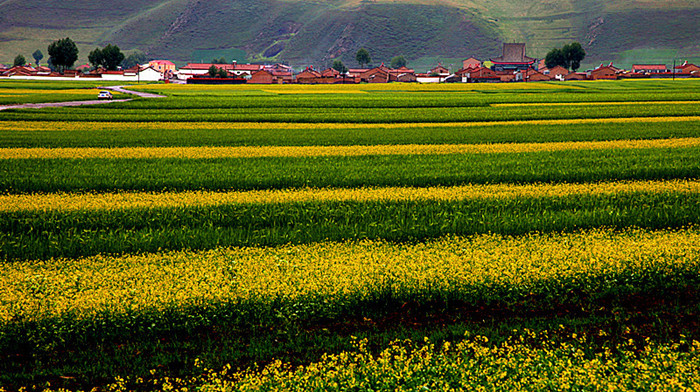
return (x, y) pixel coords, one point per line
(529, 236)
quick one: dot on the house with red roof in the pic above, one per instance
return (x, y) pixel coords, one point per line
(478, 75)
(309, 76)
(687, 69)
(244, 70)
(330, 73)
(605, 73)
(649, 68)
(530, 75)
(404, 75)
(356, 72)
(439, 70)
(234, 69)
(262, 77)
(278, 67)
(20, 70)
(471, 63)
(165, 67)
(199, 69)
(556, 73)
(576, 76)
(283, 76)
(383, 74)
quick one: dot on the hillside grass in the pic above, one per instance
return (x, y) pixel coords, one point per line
(304, 33)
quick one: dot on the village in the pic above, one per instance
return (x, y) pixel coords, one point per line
(512, 66)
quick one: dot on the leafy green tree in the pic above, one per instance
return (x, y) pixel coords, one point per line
(19, 61)
(555, 57)
(95, 58)
(398, 62)
(569, 56)
(221, 60)
(112, 57)
(37, 56)
(213, 71)
(134, 59)
(222, 73)
(109, 58)
(339, 66)
(362, 57)
(574, 54)
(63, 53)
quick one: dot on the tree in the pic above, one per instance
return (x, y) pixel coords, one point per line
(19, 61)
(569, 56)
(221, 60)
(109, 58)
(363, 57)
(222, 73)
(573, 53)
(555, 57)
(63, 53)
(134, 59)
(112, 57)
(37, 56)
(398, 62)
(339, 66)
(213, 71)
(95, 58)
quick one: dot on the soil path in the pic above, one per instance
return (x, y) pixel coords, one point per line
(80, 103)
(121, 89)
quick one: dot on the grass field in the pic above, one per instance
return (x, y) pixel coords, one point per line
(539, 236)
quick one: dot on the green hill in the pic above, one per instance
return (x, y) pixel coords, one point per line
(303, 32)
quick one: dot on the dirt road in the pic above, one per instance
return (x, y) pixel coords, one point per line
(121, 89)
(80, 103)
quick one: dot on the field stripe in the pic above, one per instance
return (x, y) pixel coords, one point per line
(121, 200)
(86, 126)
(614, 103)
(122, 284)
(317, 151)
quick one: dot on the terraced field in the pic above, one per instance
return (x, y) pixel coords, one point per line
(400, 237)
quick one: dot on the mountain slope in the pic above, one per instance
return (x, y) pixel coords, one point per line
(316, 32)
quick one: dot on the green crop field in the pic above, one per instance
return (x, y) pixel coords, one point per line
(539, 236)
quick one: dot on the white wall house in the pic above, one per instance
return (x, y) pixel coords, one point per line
(148, 74)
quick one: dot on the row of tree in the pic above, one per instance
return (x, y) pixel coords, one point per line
(111, 57)
(20, 60)
(363, 58)
(569, 56)
(63, 54)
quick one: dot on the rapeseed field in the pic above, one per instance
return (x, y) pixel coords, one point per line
(539, 236)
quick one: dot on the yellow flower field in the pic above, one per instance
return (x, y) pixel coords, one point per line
(86, 126)
(121, 200)
(315, 151)
(470, 364)
(87, 286)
